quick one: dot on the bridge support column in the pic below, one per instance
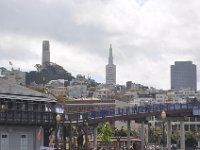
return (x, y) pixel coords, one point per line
(182, 128)
(46, 136)
(147, 133)
(128, 134)
(142, 136)
(169, 134)
(95, 138)
(64, 137)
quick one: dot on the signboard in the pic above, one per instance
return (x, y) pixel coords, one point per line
(196, 111)
(59, 109)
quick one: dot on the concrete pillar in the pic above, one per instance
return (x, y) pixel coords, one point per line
(95, 137)
(56, 136)
(128, 134)
(169, 134)
(189, 123)
(142, 136)
(147, 134)
(198, 142)
(46, 136)
(195, 126)
(64, 137)
(182, 128)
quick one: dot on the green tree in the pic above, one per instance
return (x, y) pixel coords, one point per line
(105, 133)
(190, 138)
(154, 134)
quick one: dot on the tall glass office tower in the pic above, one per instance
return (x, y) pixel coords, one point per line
(183, 75)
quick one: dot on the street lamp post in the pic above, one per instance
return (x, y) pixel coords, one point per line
(163, 116)
(155, 135)
(117, 134)
(86, 136)
(58, 118)
(198, 138)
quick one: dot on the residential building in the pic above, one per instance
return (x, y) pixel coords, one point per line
(161, 98)
(88, 104)
(183, 75)
(1, 75)
(110, 69)
(26, 117)
(78, 91)
(14, 76)
(78, 87)
(103, 93)
(57, 87)
(184, 95)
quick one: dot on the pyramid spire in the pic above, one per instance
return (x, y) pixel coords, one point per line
(110, 69)
(110, 59)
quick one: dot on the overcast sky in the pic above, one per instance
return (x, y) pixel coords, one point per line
(147, 36)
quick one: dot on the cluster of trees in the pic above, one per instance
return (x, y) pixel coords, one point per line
(50, 72)
(191, 137)
(105, 133)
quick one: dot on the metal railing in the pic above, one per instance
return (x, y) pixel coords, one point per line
(26, 117)
(143, 109)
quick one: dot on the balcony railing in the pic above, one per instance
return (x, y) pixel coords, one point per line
(27, 117)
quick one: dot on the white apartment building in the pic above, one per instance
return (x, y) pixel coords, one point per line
(183, 95)
(78, 91)
(78, 87)
(161, 98)
(14, 76)
(103, 93)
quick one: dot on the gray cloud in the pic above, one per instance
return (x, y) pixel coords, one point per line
(147, 35)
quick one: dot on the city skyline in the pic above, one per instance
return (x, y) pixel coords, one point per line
(147, 35)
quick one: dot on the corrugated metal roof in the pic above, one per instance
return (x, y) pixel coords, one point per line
(11, 90)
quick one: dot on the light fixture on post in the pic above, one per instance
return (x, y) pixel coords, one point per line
(86, 134)
(163, 116)
(58, 118)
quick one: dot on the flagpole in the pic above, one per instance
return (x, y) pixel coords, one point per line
(10, 64)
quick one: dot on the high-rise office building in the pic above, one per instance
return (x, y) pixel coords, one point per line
(183, 75)
(45, 53)
(110, 69)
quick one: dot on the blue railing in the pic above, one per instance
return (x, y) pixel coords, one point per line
(142, 109)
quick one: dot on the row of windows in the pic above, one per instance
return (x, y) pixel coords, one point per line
(25, 106)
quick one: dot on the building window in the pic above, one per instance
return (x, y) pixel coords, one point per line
(4, 141)
(24, 142)
(4, 136)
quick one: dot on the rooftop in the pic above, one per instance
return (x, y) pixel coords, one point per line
(14, 91)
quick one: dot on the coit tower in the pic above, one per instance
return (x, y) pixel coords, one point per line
(45, 53)
(110, 69)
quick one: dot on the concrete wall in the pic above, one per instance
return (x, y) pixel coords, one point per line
(16, 135)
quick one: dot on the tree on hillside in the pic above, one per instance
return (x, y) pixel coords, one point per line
(50, 72)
